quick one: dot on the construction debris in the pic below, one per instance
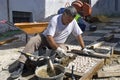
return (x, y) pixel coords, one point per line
(84, 66)
(110, 69)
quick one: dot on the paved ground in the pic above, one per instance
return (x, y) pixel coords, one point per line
(9, 53)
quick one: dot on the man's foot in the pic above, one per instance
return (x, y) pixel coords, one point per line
(18, 71)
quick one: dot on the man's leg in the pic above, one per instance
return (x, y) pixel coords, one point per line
(32, 45)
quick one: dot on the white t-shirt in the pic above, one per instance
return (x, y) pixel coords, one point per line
(61, 32)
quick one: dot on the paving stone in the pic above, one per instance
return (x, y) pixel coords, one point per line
(115, 27)
(102, 31)
(114, 40)
(10, 49)
(109, 44)
(97, 34)
(88, 42)
(74, 42)
(91, 38)
(110, 27)
(4, 75)
(117, 47)
(115, 24)
(117, 35)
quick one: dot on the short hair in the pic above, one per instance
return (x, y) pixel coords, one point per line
(71, 11)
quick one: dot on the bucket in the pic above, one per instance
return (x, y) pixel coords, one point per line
(41, 73)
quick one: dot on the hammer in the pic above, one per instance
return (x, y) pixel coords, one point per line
(34, 57)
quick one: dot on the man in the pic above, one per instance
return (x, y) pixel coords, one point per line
(58, 30)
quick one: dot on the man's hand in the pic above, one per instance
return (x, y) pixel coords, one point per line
(61, 52)
(87, 51)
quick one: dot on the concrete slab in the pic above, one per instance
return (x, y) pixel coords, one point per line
(114, 40)
(117, 35)
(102, 31)
(117, 48)
(115, 24)
(109, 44)
(110, 27)
(88, 42)
(97, 34)
(91, 38)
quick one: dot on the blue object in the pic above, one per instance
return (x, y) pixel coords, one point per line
(81, 24)
(61, 10)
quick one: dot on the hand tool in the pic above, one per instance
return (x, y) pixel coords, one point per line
(73, 77)
(50, 67)
(34, 57)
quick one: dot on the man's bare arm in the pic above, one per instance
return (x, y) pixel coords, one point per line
(51, 41)
(80, 40)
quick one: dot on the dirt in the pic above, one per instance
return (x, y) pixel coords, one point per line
(9, 54)
(45, 73)
(67, 59)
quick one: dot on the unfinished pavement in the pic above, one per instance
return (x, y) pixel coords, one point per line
(9, 54)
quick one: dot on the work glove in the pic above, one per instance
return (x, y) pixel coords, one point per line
(87, 51)
(61, 52)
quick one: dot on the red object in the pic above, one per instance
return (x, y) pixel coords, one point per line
(3, 21)
(83, 8)
(78, 5)
(87, 10)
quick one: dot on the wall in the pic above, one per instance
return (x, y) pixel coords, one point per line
(42, 10)
(105, 7)
(3, 15)
(52, 6)
(37, 7)
(3, 9)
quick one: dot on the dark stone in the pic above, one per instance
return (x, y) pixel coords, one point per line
(88, 42)
(97, 34)
(113, 40)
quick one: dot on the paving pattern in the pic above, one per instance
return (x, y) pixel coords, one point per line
(98, 36)
(95, 36)
(82, 64)
(8, 52)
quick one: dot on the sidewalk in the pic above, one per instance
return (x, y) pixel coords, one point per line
(9, 54)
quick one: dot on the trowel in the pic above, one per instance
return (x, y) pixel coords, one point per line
(72, 74)
(50, 68)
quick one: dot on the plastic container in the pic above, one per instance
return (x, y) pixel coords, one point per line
(59, 75)
(78, 5)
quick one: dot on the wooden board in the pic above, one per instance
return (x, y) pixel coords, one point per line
(92, 71)
(32, 28)
(8, 40)
(87, 73)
